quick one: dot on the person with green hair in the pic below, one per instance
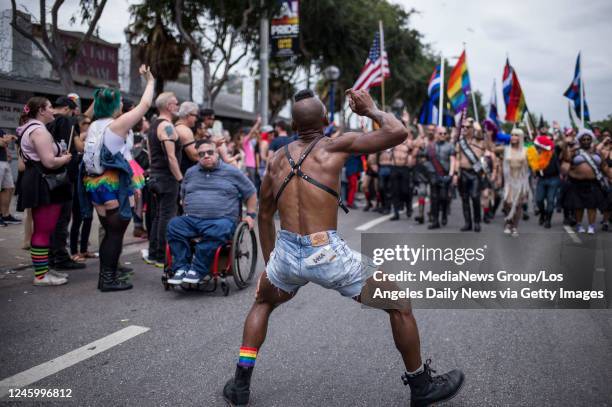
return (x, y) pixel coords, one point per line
(111, 192)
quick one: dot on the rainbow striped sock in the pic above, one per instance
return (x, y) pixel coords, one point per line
(40, 260)
(247, 356)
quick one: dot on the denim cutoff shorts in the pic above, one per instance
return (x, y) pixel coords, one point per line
(323, 258)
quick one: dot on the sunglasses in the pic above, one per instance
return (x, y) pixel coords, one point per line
(205, 153)
(85, 123)
(443, 134)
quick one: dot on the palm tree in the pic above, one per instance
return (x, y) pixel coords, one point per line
(157, 46)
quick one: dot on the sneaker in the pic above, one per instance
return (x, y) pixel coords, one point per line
(507, 230)
(591, 230)
(581, 229)
(3, 223)
(515, 232)
(49, 279)
(159, 265)
(58, 274)
(178, 277)
(192, 277)
(69, 265)
(11, 220)
(145, 256)
(426, 389)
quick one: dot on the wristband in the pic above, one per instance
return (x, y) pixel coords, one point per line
(252, 215)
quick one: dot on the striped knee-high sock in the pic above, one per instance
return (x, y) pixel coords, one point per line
(40, 260)
(247, 356)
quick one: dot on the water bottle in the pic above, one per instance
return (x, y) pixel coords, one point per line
(63, 146)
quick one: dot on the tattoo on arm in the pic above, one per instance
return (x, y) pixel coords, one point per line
(169, 130)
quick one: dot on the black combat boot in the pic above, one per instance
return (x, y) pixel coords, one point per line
(426, 389)
(547, 219)
(236, 391)
(108, 280)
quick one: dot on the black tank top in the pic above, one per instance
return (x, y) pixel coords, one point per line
(159, 159)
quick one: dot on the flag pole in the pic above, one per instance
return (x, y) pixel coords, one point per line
(471, 91)
(382, 68)
(581, 90)
(441, 108)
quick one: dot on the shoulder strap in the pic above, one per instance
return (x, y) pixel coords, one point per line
(297, 170)
(598, 175)
(469, 153)
(23, 133)
(434, 160)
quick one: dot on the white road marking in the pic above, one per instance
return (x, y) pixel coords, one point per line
(572, 234)
(379, 220)
(53, 366)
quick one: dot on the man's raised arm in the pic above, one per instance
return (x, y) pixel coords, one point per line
(391, 132)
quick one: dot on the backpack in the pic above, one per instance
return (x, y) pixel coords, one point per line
(93, 146)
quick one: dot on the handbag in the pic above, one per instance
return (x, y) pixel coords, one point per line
(57, 180)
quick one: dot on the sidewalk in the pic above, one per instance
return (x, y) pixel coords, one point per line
(13, 257)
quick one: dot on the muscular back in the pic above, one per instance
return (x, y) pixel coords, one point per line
(303, 207)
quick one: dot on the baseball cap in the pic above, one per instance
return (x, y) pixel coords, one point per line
(64, 101)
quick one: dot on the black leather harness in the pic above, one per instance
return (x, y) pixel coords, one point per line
(296, 169)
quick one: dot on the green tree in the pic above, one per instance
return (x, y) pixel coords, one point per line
(219, 34)
(604, 124)
(59, 54)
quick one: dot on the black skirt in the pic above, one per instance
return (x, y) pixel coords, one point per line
(584, 194)
(34, 191)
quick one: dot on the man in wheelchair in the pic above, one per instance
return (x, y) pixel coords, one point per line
(210, 192)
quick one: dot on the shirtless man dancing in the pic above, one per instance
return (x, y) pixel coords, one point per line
(302, 183)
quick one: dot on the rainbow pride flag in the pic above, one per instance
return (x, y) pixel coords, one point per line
(513, 95)
(459, 84)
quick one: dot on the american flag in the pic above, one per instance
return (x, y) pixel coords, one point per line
(372, 73)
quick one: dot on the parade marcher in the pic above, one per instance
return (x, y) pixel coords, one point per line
(516, 180)
(544, 161)
(605, 150)
(46, 187)
(587, 189)
(385, 161)
(109, 178)
(308, 216)
(421, 174)
(64, 129)
(370, 183)
(471, 148)
(569, 215)
(404, 160)
(164, 175)
(441, 166)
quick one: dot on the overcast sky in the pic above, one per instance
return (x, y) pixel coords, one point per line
(542, 39)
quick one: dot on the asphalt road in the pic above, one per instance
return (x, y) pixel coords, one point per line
(321, 349)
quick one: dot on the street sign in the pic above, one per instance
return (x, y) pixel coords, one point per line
(285, 29)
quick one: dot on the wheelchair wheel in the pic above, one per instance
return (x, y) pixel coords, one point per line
(244, 253)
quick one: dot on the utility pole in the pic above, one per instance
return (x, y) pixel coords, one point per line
(264, 55)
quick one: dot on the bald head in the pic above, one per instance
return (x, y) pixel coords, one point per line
(308, 112)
